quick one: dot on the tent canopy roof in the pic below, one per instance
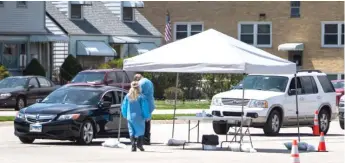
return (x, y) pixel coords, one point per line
(209, 52)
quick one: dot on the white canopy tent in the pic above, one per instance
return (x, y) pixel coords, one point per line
(209, 52)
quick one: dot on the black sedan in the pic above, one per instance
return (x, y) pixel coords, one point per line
(76, 112)
(20, 91)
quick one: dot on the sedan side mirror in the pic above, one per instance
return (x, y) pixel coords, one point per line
(104, 104)
(38, 100)
(31, 86)
(293, 92)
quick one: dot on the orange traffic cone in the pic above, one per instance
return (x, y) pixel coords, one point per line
(294, 152)
(316, 129)
(322, 143)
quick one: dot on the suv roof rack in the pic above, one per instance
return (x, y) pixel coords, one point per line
(309, 71)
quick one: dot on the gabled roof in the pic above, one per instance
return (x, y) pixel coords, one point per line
(100, 19)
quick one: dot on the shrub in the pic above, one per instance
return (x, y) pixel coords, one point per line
(169, 93)
(34, 68)
(115, 63)
(3, 72)
(70, 68)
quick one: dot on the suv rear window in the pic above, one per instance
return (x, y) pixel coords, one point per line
(326, 84)
(84, 77)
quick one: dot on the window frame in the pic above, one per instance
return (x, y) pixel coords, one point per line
(255, 32)
(22, 6)
(329, 82)
(70, 11)
(295, 7)
(38, 83)
(189, 27)
(339, 23)
(49, 83)
(133, 15)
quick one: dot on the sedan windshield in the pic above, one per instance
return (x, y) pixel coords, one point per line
(13, 82)
(85, 77)
(338, 84)
(264, 83)
(74, 96)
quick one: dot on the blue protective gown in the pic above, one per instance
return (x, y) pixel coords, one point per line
(136, 112)
(148, 91)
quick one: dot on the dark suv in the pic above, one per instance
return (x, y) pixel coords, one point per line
(112, 77)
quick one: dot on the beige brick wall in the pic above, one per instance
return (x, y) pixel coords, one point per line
(224, 17)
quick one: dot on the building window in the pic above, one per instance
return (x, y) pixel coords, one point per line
(22, 4)
(295, 9)
(332, 34)
(127, 14)
(76, 11)
(183, 30)
(256, 33)
(1, 3)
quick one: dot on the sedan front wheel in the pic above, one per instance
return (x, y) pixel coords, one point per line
(86, 133)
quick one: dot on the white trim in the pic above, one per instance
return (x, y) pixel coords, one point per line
(189, 26)
(70, 9)
(323, 23)
(255, 24)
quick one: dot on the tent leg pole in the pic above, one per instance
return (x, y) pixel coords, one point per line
(176, 86)
(297, 113)
(242, 114)
(120, 116)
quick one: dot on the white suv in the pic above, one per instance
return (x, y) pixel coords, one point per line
(271, 101)
(341, 112)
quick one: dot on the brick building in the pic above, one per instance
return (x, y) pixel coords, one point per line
(311, 33)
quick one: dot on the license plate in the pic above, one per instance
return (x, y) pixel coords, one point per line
(35, 127)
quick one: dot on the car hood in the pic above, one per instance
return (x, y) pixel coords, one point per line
(248, 94)
(42, 108)
(9, 90)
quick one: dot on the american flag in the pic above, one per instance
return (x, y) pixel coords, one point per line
(168, 37)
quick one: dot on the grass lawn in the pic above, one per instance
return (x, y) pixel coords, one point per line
(161, 104)
(154, 117)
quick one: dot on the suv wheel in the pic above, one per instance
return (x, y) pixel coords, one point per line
(26, 140)
(220, 128)
(86, 133)
(324, 121)
(273, 124)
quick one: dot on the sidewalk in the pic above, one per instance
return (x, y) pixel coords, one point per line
(165, 111)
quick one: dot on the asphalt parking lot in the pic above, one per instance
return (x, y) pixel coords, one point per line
(270, 149)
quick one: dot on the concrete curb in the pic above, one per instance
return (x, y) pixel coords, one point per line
(10, 123)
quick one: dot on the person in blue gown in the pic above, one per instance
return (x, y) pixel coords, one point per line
(147, 89)
(136, 110)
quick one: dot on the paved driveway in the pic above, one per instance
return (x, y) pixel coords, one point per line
(270, 149)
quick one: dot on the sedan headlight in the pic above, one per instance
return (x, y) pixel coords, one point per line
(20, 115)
(69, 116)
(5, 95)
(216, 101)
(258, 104)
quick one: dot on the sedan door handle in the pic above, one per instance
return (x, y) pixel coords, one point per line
(318, 97)
(301, 98)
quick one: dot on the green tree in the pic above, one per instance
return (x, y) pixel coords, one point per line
(70, 68)
(115, 63)
(34, 68)
(3, 72)
(189, 83)
(216, 83)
